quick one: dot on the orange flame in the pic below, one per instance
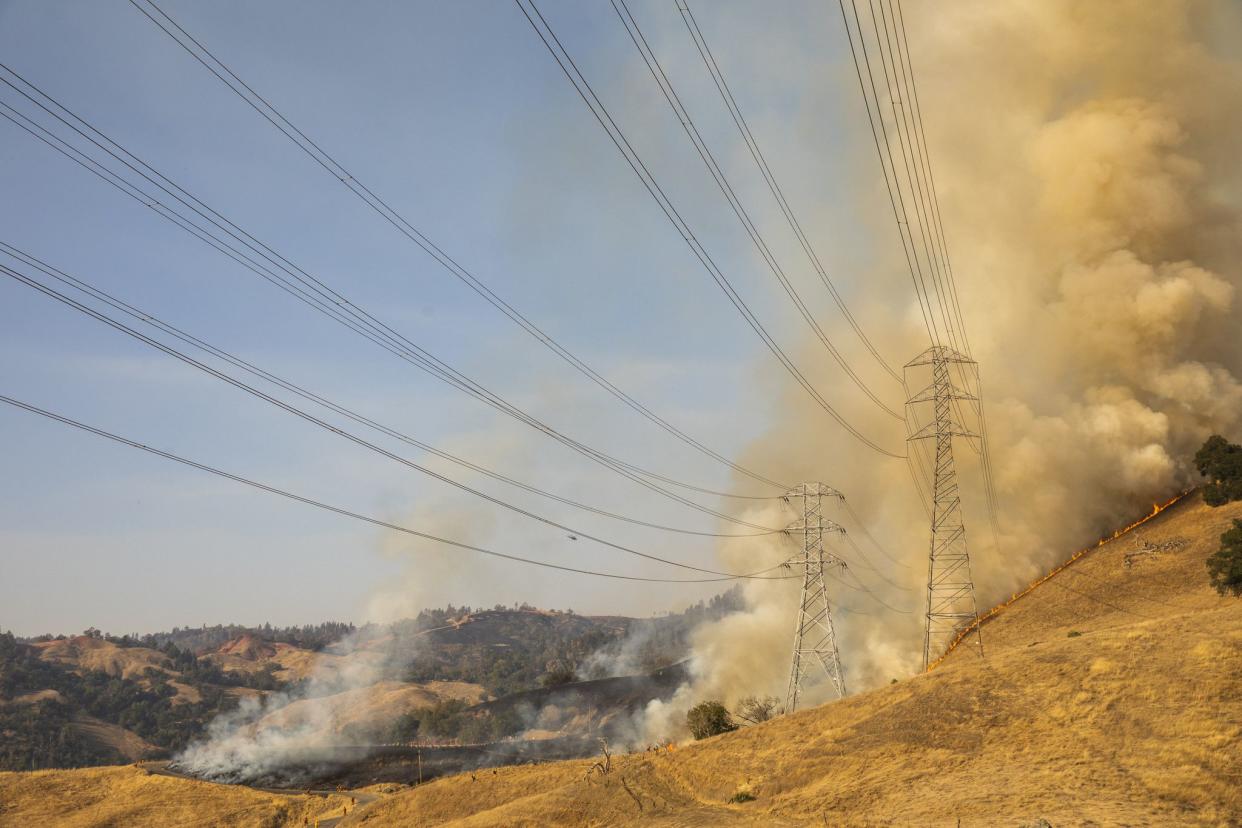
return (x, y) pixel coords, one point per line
(1156, 508)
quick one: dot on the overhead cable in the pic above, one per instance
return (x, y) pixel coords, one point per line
(384, 209)
(570, 69)
(361, 517)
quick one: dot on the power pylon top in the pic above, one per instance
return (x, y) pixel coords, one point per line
(939, 353)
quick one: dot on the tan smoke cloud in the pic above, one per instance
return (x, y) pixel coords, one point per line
(1082, 155)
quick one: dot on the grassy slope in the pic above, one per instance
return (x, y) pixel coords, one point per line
(127, 796)
(1136, 721)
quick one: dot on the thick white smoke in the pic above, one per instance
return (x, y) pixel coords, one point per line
(1084, 159)
(285, 735)
(268, 737)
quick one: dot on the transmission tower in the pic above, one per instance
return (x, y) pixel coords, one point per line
(815, 640)
(950, 591)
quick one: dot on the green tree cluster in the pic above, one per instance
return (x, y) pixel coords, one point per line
(1225, 565)
(1220, 461)
(42, 734)
(453, 720)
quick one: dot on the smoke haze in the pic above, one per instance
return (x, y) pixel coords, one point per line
(1084, 160)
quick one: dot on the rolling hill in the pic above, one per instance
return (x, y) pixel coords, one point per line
(1109, 695)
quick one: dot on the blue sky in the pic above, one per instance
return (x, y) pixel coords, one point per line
(455, 114)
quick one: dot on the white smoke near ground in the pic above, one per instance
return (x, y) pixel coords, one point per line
(1085, 161)
(287, 736)
(267, 736)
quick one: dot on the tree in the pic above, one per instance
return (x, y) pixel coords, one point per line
(709, 718)
(1225, 565)
(1221, 463)
(755, 710)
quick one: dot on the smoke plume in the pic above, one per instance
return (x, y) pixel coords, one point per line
(1084, 160)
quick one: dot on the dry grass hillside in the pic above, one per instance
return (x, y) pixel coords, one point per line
(127, 796)
(1136, 720)
(250, 654)
(372, 709)
(124, 743)
(82, 652)
(1110, 696)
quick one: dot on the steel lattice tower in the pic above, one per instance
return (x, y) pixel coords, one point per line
(950, 590)
(815, 640)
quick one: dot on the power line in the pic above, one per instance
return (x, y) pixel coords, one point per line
(912, 178)
(287, 276)
(899, 215)
(389, 214)
(859, 586)
(931, 178)
(361, 517)
(862, 527)
(310, 418)
(566, 63)
(190, 339)
(914, 117)
(722, 182)
(862, 557)
(735, 112)
(921, 181)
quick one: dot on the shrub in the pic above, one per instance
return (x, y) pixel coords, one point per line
(755, 710)
(558, 677)
(1073, 634)
(1221, 463)
(742, 796)
(709, 718)
(1225, 565)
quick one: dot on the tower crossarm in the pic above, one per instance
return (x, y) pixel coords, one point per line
(940, 354)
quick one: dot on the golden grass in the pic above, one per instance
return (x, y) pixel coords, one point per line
(86, 653)
(1136, 721)
(374, 708)
(127, 797)
(127, 744)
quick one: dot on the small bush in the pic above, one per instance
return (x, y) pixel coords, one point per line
(742, 796)
(558, 677)
(709, 718)
(755, 710)
(1225, 565)
(1073, 634)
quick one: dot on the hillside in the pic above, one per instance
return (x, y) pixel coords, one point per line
(1109, 695)
(129, 796)
(71, 701)
(83, 652)
(1135, 720)
(362, 712)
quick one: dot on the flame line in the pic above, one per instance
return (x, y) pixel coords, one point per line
(996, 610)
